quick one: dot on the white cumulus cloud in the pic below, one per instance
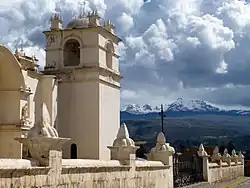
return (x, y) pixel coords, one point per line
(191, 48)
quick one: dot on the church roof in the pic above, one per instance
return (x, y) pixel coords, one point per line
(82, 22)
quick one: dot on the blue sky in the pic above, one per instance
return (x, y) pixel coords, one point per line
(195, 49)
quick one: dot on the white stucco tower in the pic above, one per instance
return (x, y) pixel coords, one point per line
(84, 57)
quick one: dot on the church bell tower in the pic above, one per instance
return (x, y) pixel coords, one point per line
(84, 57)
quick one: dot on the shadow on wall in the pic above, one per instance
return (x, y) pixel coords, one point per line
(37, 101)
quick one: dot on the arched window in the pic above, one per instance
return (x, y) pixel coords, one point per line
(71, 53)
(73, 151)
(109, 54)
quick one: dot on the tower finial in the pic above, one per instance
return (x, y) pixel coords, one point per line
(82, 4)
(21, 45)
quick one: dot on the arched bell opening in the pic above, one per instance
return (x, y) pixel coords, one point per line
(71, 53)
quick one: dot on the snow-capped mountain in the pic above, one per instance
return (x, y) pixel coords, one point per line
(191, 105)
(137, 109)
(180, 107)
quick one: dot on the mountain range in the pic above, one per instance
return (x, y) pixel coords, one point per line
(178, 108)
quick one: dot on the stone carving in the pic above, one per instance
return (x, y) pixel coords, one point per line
(25, 115)
(216, 157)
(43, 128)
(123, 148)
(201, 152)
(122, 138)
(161, 144)
(42, 138)
(162, 151)
(226, 157)
(234, 157)
(109, 25)
(241, 157)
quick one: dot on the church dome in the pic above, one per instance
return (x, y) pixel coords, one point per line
(78, 23)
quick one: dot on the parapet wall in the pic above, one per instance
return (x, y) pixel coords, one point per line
(222, 167)
(87, 174)
(225, 172)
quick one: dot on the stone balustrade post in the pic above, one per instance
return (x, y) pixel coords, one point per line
(123, 148)
(162, 151)
(241, 158)
(55, 163)
(234, 157)
(205, 163)
(226, 157)
(216, 157)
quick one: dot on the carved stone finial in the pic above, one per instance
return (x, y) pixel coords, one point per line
(241, 157)
(161, 138)
(234, 157)
(16, 51)
(216, 150)
(216, 157)
(201, 152)
(123, 131)
(162, 150)
(56, 17)
(56, 22)
(201, 148)
(96, 13)
(21, 52)
(234, 153)
(226, 157)
(122, 138)
(123, 146)
(225, 151)
(161, 144)
(94, 18)
(109, 26)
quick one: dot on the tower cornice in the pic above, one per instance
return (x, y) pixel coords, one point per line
(98, 29)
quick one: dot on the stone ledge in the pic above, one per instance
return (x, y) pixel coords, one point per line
(89, 163)
(14, 164)
(14, 172)
(81, 170)
(150, 168)
(223, 165)
(148, 163)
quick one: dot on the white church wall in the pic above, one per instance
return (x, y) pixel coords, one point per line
(84, 173)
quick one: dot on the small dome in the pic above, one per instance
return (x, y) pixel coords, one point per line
(78, 23)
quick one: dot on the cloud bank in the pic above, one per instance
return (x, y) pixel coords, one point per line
(193, 49)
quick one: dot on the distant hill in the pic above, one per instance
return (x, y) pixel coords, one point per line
(179, 108)
(211, 130)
